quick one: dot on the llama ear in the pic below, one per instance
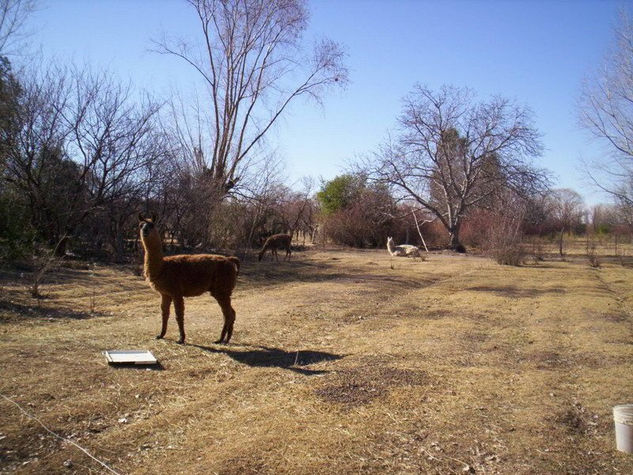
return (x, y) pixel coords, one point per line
(154, 218)
(140, 217)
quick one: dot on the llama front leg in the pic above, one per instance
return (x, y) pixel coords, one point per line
(229, 319)
(164, 307)
(179, 307)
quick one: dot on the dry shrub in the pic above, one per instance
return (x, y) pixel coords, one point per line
(506, 247)
(359, 225)
(591, 252)
(504, 237)
(509, 254)
(476, 228)
(537, 249)
(435, 234)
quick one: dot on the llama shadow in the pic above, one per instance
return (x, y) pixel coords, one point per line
(266, 357)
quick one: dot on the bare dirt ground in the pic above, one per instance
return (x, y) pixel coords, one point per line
(341, 361)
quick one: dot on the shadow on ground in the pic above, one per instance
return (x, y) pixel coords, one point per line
(24, 311)
(131, 366)
(262, 356)
(264, 274)
(510, 291)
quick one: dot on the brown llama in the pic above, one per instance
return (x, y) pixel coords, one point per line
(274, 242)
(176, 277)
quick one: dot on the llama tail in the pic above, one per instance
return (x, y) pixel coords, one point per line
(235, 262)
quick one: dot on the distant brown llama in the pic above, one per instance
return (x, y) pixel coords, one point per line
(274, 242)
(176, 277)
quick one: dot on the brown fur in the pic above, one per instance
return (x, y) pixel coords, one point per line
(176, 277)
(274, 242)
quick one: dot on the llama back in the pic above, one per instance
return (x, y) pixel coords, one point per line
(192, 275)
(277, 241)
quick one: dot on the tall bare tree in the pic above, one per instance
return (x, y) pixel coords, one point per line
(250, 58)
(606, 111)
(452, 154)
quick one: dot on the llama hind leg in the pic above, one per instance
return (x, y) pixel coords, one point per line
(179, 306)
(164, 307)
(229, 319)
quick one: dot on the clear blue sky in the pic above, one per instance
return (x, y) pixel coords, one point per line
(535, 52)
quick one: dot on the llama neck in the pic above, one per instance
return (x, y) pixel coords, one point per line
(390, 247)
(153, 257)
(267, 245)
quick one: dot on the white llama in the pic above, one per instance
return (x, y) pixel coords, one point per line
(403, 250)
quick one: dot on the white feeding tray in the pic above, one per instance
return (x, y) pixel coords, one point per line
(130, 357)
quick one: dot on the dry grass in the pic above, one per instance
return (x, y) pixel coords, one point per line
(340, 363)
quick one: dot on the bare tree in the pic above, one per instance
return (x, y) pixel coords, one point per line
(251, 62)
(606, 111)
(82, 146)
(505, 234)
(36, 165)
(298, 208)
(567, 210)
(112, 135)
(604, 218)
(13, 15)
(453, 154)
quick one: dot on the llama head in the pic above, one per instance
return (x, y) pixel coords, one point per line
(147, 226)
(389, 240)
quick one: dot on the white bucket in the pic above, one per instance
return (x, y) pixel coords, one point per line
(623, 418)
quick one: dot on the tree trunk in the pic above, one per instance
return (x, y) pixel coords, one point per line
(118, 245)
(454, 243)
(560, 242)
